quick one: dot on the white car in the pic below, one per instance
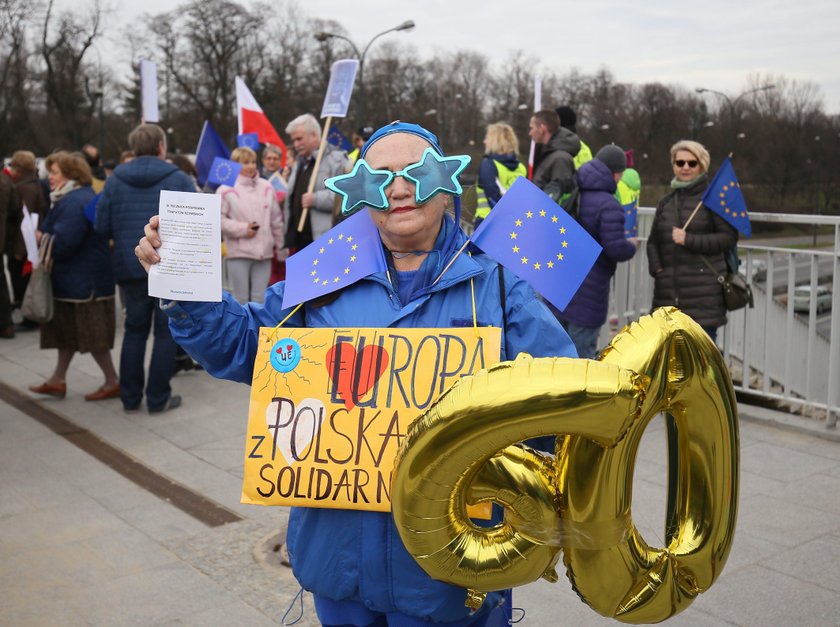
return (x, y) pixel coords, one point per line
(802, 297)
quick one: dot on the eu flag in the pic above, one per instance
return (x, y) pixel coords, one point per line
(724, 197)
(248, 140)
(224, 172)
(210, 146)
(631, 219)
(343, 255)
(534, 238)
(337, 139)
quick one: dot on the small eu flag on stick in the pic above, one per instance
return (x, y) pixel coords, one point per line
(724, 197)
(343, 255)
(248, 140)
(533, 237)
(224, 172)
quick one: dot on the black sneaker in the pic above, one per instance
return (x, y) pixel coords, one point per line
(173, 403)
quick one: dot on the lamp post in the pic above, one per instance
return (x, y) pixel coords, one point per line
(732, 103)
(100, 96)
(323, 36)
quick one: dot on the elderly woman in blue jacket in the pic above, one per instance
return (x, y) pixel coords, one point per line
(354, 562)
(82, 282)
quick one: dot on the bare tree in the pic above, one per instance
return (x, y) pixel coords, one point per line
(66, 40)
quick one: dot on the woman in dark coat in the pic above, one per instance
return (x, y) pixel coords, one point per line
(83, 285)
(675, 254)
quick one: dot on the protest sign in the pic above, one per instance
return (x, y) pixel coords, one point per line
(330, 408)
(149, 91)
(340, 88)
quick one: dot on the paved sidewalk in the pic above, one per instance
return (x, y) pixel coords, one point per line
(82, 545)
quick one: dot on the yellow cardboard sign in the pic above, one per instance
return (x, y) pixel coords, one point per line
(330, 407)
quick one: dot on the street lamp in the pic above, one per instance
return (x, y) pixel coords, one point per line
(100, 97)
(323, 36)
(732, 104)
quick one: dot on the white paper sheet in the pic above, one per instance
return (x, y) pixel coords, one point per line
(28, 226)
(190, 265)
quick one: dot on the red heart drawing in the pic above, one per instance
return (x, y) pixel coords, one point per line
(289, 348)
(352, 377)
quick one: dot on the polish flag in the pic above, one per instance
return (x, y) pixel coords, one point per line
(252, 119)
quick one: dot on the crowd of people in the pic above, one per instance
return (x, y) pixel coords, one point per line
(93, 226)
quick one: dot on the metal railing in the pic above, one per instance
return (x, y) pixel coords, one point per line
(772, 351)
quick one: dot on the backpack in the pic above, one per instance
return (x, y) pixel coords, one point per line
(566, 193)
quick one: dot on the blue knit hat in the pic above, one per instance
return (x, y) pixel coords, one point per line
(402, 127)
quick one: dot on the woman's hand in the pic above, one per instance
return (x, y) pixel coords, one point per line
(678, 236)
(146, 249)
(253, 227)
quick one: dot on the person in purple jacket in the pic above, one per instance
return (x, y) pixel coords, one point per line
(603, 218)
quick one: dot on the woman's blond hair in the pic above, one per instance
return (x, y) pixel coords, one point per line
(501, 139)
(697, 149)
(243, 154)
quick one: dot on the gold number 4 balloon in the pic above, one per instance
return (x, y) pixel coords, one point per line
(461, 450)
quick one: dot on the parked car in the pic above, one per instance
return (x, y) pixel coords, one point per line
(758, 270)
(802, 297)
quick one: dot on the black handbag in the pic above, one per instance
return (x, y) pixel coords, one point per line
(737, 293)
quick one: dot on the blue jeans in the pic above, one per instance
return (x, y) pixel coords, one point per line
(140, 311)
(584, 338)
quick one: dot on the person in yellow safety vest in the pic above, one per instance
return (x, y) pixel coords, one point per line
(568, 119)
(359, 138)
(627, 191)
(499, 168)
(629, 188)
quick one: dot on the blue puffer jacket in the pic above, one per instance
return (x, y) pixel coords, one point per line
(603, 218)
(132, 196)
(353, 555)
(81, 259)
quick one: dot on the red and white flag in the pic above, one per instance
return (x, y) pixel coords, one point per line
(252, 119)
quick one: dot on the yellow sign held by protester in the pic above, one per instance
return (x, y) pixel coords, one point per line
(330, 408)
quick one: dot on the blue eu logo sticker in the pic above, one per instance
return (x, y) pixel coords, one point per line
(285, 355)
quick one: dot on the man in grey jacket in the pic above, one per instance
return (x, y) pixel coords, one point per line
(558, 149)
(305, 132)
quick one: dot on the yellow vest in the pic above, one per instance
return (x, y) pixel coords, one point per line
(353, 155)
(504, 179)
(583, 155)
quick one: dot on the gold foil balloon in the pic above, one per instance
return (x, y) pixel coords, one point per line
(462, 451)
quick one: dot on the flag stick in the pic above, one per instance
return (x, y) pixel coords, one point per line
(700, 204)
(693, 213)
(314, 176)
(451, 261)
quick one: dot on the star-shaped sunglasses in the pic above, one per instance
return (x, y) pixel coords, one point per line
(365, 187)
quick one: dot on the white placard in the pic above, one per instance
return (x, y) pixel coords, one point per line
(337, 99)
(149, 91)
(190, 231)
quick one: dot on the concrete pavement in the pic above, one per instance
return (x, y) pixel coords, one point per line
(81, 544)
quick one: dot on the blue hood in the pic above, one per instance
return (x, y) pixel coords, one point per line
(596, 176)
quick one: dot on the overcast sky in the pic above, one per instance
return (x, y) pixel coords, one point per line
(716, 44)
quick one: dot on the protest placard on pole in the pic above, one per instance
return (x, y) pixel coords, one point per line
(149, 91)
(336, 102)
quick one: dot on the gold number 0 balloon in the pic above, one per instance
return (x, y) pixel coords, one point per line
(459, 451)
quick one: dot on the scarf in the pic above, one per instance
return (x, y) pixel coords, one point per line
(677, 184)
(61, 192)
